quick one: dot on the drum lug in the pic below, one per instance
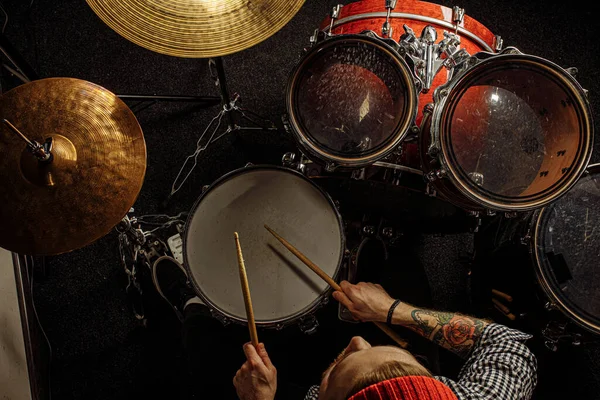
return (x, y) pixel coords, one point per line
(498, 43)
(572, 71)
(335, 13)
(510, 214)
(219, 317)
(308, 324)
(526, 240)
(430, 190)
(435, 175)
(368, 230)
(285, 120)
(289, 161)
(330, 166)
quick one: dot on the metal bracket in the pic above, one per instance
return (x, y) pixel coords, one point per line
(308, 324)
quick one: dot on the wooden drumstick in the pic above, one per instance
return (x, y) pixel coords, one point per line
(503, 309)
(246, 292)
(389, 331)
(502, 295)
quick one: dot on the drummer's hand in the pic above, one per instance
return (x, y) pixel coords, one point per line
(257, 379)
(365, 301)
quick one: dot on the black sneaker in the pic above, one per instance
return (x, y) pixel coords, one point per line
(171, 281)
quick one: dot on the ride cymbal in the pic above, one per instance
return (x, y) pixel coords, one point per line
(94, 175)
(196, 28)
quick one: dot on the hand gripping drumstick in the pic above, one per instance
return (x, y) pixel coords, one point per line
(246, 292)
(389, 331)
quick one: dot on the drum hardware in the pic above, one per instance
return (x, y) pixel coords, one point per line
(556, 333)
(201, 145)
(142, 247)
(335, 13)
(386, 29)
(430, 57)
(43, 152)
(99, 150)
(18, 66)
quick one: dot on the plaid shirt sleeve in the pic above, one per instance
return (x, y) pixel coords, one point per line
(499, 367)
(313, 393)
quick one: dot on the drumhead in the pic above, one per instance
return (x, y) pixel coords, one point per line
(282, 288)
(515, 130)
(351, 100)
(567, 238)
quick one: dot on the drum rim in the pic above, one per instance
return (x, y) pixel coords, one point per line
(561, 302)
(225, 317)
(469, 189)
(395, 138)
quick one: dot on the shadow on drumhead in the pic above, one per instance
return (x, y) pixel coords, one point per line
(308, 277)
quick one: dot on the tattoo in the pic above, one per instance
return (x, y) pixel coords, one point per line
(455, 332)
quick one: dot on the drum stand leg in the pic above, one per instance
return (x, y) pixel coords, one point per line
(230, 108)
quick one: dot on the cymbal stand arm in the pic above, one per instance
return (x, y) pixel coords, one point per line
(41, 151)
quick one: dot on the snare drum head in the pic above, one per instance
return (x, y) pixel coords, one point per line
(351, 100)
(281, 287)
(568, 250)
(516, 132)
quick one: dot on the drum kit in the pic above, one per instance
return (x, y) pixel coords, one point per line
(410, 95)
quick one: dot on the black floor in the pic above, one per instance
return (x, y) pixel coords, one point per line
(100, 351)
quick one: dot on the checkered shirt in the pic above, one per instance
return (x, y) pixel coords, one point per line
(500, 367)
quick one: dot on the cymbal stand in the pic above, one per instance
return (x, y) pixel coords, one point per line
(230, 108)
(16, 66)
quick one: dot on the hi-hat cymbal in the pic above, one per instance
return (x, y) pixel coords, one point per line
(196, 28)
(93, 178)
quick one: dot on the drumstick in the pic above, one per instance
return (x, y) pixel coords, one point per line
(389, 331)
(502, 295)
(246, 292)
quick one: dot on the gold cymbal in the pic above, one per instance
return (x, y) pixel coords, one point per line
(93, 178)
(196, 28)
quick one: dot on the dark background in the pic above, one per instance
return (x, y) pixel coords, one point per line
(100, 351)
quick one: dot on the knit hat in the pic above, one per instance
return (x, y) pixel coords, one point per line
(406, 388)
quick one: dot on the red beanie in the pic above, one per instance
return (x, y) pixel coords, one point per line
(406, 388)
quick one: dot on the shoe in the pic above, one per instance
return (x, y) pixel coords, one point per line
(172, 283)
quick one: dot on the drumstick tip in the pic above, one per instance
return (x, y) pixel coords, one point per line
(235, 235)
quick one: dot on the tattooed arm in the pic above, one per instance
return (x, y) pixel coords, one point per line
(370, 302)
(455, 332)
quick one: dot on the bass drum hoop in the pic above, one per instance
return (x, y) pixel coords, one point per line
(544, 281)
(469, 189)
(396, 136)
(222, 315)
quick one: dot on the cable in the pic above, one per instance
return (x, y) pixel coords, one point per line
(6, 17)
(37, 317)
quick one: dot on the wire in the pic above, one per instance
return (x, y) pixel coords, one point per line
(6, 17)
(37, 317)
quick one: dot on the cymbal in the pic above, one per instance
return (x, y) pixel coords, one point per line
(96, 170)
(196, 28)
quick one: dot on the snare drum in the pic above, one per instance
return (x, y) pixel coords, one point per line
(357, 94)
(508, 132)
(283, 290)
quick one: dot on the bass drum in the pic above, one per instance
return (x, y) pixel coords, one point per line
(562, 243)
(283, 290)
(508, 132)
